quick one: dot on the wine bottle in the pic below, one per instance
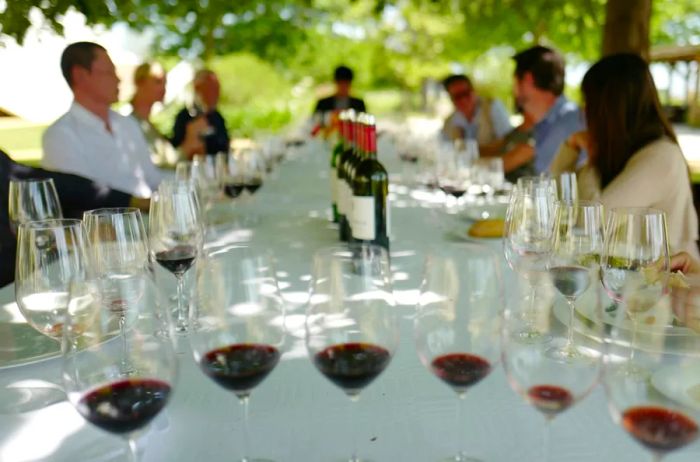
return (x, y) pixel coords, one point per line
(343, 197)
(338, 149)
(370, 187)
(359, 153)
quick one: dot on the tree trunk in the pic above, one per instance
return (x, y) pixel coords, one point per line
(627, 27)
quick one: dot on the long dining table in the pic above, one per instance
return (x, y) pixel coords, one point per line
(296, 414)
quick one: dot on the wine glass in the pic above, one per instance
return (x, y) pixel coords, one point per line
(253, 169)
(32, 200)
(550, 383)
(230, 174)
(635, 247)
(527, 239)
(568, 187)
(122, 404)
(237, 329)
(175, 237)
(531, 184)
(575, 259)
(651, 372)
(457, 325)
(352, 326)
(50, 253)
(118, 247)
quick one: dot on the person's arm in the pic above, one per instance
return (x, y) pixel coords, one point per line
(564, 160)
(151, 174)
(520, 155)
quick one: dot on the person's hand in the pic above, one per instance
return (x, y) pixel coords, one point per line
(193, 143)
(579, 141)
(683, 262)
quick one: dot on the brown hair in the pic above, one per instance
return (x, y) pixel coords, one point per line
(546, 66)
(623, 112)
(80, 54)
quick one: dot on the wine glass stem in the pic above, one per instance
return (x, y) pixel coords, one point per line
(633, 343)
(181, 308)
(125, 366)
(353, 427)
(132, 450)
(245, 403)
(545, 439)
(461, 428)
(572, 313)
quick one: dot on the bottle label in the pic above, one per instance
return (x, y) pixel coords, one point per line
(339, 192)
(363, 226)
(347, 194)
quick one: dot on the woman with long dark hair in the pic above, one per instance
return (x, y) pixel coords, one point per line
(633, 156)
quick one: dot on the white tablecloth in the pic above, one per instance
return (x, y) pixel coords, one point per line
(296, 414)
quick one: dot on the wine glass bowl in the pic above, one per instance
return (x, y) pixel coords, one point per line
(33, 200)
(95, 345)
(457, 325)
(352, 327)
(237, 329)
(635, 247)
(50, 253)
(652, 376)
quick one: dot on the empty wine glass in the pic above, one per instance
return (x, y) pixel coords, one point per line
(32, 200)
(652, 371)
(457, 325)
(118, 247)
(352, 326)
(636, 247)
(575, 259)
(122, 404)
(49, 254)
(175, 237)
(238, 326)
(550, 383)
(527, 239)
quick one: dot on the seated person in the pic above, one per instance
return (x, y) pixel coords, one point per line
(482, 119)
(75, 193)
(149, 81)
(520, 134)
(634, 157)
(341, 99)
(214, 133)
(538, 88)
(90, 139)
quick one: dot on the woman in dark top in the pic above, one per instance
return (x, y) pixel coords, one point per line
(75, 193)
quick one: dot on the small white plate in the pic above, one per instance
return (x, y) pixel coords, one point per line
(681, 384)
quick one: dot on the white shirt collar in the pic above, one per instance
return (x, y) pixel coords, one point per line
(85, 116)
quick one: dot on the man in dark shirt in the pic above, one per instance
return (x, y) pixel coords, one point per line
(75, 193)
(215, 136)
(342, 76)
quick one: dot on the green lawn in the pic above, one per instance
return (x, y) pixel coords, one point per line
(22, 142)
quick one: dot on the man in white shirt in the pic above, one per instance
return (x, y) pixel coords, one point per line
(92, 140)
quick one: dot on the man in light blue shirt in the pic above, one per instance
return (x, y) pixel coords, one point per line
(538, 89)
(482, 119)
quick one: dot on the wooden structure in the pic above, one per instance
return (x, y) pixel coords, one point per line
(674, 54)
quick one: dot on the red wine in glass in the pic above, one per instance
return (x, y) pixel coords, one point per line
(460, 370)
(124, 406)
(352, 366)
(453, 190)
(240, 367)
(233, 190)
(178, 259)
(659, 429)
(253, 186)
(550, 399)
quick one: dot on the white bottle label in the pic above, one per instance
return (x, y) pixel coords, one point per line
(348, 202)
(363, 226)
(341, 198)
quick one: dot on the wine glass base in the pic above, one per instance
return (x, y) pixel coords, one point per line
(531, 336)
(568, 354)
(460, 458)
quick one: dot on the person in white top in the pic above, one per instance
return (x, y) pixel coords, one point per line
(634, 158)
(92, 140)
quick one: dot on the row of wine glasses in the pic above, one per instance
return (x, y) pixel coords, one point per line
(565, 243)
